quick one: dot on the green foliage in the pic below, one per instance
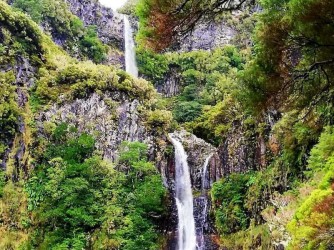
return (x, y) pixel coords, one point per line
(32, 7)
(2, 182)
(187, 111)
(323, 150)
(140, 209)
(313, 219)
(69, 191)
(80, 79)
(160, 119)
(303, 81)
(205, 77)
(66, 26)
(228, 197)
(91, 45)
(216, 121)
(129, 8)
(152, 65)
(79, 200)
(21, 33)
(14, 216)
(9, 110)
(256, 236)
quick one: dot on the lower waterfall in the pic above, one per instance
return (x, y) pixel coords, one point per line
(184, 199)
(202, 205)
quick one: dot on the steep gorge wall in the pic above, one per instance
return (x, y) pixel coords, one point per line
(109, 24)
(111, 117)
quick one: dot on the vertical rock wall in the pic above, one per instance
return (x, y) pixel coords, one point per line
(109, 23)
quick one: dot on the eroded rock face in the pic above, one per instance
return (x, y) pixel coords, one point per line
(243, 149)
(17, 146)
(197, 150)
(171, 84)
(238, 151)
(111, 118)
(109, 24)
(207, 36)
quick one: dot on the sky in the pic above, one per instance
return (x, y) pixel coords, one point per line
(114, 4)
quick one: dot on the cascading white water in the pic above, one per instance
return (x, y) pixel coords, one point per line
(130, 49)
(205, 179)
(184, 199)
(202, 202)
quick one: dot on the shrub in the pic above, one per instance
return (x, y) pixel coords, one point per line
(187, 111)
(228, 198)
(92, 46)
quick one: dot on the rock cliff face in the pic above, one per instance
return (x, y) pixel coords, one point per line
(111, 117)
(17, 153)
(110, 26)
(171, 84)
(242, 151)
(109, 23)
(207, 36)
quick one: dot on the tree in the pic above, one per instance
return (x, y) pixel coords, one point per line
(69, 192)
(162, 20)
(294, 55)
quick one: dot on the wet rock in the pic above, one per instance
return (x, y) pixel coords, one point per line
(198, 150)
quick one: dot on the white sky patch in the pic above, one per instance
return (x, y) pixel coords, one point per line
(114, 4)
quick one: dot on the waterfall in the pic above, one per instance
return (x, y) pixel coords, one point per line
(205, 179)
(130, 49)
(202, 204)
(184, 199)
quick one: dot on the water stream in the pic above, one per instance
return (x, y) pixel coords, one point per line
(130, 49)
(205, 180)
(202, 206)
(184, 199)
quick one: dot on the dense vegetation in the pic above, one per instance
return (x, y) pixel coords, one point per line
(79, 201)
(204, 77)
(57, 20)
(288, 72)
(60, 193)
(274, 87)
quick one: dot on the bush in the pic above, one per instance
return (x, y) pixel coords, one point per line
(92, 46)
(160, 119)
(228, 198)
(187, 111)
(313, 221)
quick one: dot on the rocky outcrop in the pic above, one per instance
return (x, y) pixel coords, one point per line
(16, 154)
(244, 149)
(197, 150)
(109, 23)
(238, 151)
(112, 118)
(171, 85)
(207, 36)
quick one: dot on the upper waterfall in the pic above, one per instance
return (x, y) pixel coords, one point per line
(130, 49)
(184, 199)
